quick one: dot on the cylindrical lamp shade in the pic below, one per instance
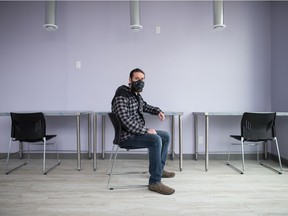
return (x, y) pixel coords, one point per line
(50, 16)
(218, 14)
(135, 15)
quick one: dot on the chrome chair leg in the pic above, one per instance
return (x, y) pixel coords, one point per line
(7, 160)
(228, 163)
(278, 152)
(242, 150)
(111, 166)
(258, 157)
(110, 160)
(279, 159)
(46, 170)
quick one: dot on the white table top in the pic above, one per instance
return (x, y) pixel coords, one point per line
(233, 113)
(53, 113)
(167, 113)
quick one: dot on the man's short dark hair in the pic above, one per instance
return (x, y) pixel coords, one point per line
(134, 71)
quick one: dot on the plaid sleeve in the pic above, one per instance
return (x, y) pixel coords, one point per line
(150, 109)
(120, 108)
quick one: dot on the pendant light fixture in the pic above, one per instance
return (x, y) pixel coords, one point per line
(50, 16)
(135, 15)
(218, 15)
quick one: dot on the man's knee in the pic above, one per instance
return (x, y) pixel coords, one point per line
(155, 141)
(165, 136)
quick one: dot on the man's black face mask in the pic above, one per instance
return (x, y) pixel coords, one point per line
(137, 86)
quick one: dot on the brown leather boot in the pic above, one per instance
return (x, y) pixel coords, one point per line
(161, 188)
(167, 174)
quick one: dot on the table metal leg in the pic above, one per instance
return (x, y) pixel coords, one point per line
(78, 142)
(265, 151)
(180, 144)
(94, 142)
(196, 136)
(206, 142)
(103, 136)
(89, 135)
(21, 150)
(173, 138)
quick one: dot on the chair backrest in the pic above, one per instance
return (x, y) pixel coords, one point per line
(28, 126)
(258, 126)
(117, 127)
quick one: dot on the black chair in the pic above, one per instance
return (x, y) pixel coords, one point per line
(256, 128)
(30, 128)
(113, 156)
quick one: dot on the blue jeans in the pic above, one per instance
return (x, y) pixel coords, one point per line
(157, 145)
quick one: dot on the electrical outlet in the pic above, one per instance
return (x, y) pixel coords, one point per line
(200, 140)
(158, 30)
(78, 64)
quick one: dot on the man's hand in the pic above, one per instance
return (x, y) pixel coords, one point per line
(151, 131)
(161, 116)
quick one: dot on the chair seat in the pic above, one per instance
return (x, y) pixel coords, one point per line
(129, 147)
(48, 137)
(238, 137)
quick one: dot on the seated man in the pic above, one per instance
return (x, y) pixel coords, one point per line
(129, 106)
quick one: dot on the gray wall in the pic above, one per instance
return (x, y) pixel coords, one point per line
(279, 75)
(189, 67)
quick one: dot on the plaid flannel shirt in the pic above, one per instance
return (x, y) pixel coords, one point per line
(129, 107)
